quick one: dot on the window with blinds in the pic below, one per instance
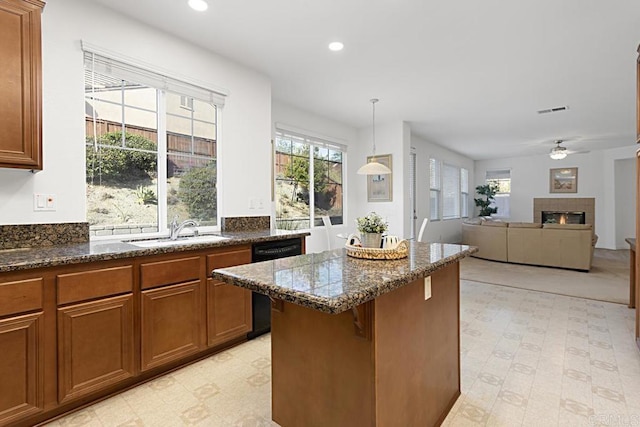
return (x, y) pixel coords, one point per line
(434, 189)
(151, 148)
(308, 180)
(502, 179)
(464, 193)
(412, 193)
(450, 191)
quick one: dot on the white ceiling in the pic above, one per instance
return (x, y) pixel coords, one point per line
(467, 74)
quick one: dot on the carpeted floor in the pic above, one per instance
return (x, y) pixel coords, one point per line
(608, 279)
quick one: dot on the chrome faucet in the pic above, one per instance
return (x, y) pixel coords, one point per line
(176, 228)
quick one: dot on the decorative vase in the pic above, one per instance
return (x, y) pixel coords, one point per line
(371, 240)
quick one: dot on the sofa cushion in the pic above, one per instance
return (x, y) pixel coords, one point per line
(473, 221)
(524, 225)
(495, 224)
(568, 226)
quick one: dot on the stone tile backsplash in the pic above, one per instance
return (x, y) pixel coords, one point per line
(43, 235)
(245, 223)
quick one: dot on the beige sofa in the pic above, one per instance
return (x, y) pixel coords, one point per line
(552, 245)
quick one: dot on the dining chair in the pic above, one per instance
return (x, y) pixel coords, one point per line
(328, 228)
(422, 227)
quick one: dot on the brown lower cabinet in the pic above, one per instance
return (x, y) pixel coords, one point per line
(22, 347)
(74, 334)
(228, 307)
(21, 370)
(95, 346)
(170, 323)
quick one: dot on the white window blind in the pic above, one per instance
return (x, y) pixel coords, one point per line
(412, 192)
(450, 192)
(311, 139)
(434, 189)
(464, 193)
(121, 70)
(498, 174)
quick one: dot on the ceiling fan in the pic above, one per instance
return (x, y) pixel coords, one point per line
(559, 152)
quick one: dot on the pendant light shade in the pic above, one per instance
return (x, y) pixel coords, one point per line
(373, 167)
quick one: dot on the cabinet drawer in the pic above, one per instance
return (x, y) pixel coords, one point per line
(20, 296)
(85, 285)
(228, 259)
(160, 273)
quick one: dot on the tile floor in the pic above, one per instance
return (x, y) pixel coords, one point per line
(528, 359)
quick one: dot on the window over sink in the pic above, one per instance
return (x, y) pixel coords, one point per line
(151, 149)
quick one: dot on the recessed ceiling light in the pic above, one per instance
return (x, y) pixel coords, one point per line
(336, 46)
(199, 5)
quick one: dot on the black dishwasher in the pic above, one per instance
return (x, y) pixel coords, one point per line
(261, 304)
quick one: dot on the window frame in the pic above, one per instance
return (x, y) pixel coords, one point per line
(312, 142)
(502, 194)
(162, 153)
(464, 195)
(435, 187)
(456, 198)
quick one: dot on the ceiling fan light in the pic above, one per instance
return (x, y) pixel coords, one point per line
(374, 168)
(198, 5)
(558, 153)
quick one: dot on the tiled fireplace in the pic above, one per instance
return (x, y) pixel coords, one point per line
(571, 210)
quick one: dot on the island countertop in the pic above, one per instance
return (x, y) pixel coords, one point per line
(333, 282)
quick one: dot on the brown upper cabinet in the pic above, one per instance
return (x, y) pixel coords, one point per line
(20, 84)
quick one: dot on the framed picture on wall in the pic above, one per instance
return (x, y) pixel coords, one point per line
(379, 187)
(563, 180)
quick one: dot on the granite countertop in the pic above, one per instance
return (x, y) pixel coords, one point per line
(632, 242)
(101, 250)
(333, 282)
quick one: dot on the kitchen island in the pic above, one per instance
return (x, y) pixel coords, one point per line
(360, 342)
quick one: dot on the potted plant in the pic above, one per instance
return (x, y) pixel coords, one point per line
(371, 228)
(488, 191)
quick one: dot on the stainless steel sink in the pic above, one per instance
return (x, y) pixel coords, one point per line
(155, 243)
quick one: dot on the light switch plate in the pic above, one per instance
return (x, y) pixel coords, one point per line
(44, 202)
(427, 288)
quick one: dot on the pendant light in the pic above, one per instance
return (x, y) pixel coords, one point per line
(373, 167)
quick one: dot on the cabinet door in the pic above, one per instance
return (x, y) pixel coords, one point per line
(20, 84)
(21, 370)
(95, 346)
(228, 306)
(228, 312)
(170, 323)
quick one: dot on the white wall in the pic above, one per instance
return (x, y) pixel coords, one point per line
(450, 230)
(596, 178)
(391, 138)
(313, 124)
(246, 118)
(625, 185)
